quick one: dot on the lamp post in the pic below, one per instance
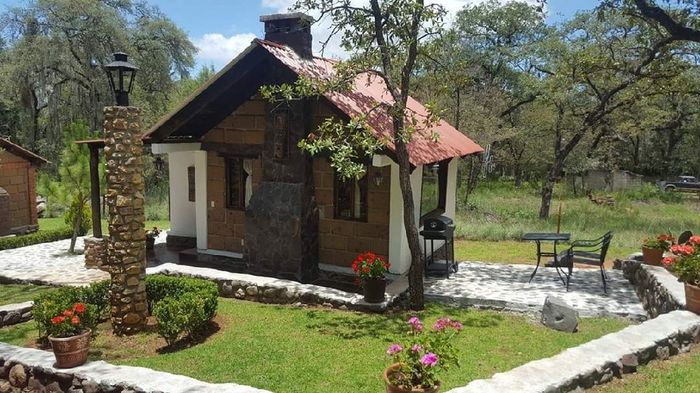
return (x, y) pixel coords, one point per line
(121, 77)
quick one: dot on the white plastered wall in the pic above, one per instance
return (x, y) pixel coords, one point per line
(185, 217)
(399, 253)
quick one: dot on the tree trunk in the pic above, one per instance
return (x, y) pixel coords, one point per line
(415, 273)
(548, 187)
(77, 220)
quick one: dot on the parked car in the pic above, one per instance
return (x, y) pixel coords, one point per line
(683, 183)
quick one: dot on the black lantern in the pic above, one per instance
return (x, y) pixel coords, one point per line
(121, 77)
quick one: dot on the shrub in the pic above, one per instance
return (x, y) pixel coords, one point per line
(86, 222)
(181, 304)
(7, 243)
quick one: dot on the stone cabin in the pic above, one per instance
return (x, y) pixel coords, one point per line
(18, 214)
(241, 189)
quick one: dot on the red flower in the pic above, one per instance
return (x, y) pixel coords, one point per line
(665, 238)
(682, 249)
(68, 313)
(57, 320)
(365, 269)
(694, 240)
(668, 261)
(75, 321)
(79, 308)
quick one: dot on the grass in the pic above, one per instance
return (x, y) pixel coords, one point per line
(290, 349)
(16, 293)
(57, 222)
(498, 211)
(676, 375)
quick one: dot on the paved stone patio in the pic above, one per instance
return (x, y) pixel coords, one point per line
(503, 286)
(50, 263)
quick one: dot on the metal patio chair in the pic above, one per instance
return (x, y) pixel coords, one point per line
(589, 252)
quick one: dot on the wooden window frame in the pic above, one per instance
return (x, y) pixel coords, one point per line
(191, 184)
(242, 175)
(363, 183)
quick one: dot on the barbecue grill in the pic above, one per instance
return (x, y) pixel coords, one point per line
(440, 228)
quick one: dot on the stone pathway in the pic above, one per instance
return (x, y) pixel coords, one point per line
(503, 286)
(50, 263)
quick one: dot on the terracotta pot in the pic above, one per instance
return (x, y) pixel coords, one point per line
(394, 368)
(373, 289)
(71, 351)
(692, 298)
(652, 256)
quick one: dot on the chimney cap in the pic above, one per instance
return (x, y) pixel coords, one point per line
(291, 15)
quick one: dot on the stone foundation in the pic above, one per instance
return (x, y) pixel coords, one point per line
(126, 248)
(95, 252)
(659, 291)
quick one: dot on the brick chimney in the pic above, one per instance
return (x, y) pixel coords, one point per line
(293, 30)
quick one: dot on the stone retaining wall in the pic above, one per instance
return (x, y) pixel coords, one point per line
(599, 361)
(13, 314)
(659, 291)
(95, 252)
(273, 290)
(31, 370)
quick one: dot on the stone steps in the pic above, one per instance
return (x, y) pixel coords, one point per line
(598, 361)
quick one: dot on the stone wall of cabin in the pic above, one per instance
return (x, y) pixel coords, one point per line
(18, 178)
(341, 240)
(244, 126)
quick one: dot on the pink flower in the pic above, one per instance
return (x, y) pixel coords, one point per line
(416, 348)
(441, 324)
(668, 261)
(694, 240)
(416, 324)
(456, 325)
(394, 349)
(683, 249)
(429, 359)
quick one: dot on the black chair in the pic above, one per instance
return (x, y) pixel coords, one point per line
(684, 237)
(589, 252)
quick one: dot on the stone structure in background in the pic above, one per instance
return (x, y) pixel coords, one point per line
(126, 248)
(95, 252)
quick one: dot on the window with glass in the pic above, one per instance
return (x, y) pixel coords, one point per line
(235, 184)
(434, 188)
(350, 197)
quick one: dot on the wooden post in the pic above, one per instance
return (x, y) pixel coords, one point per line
(95, 191)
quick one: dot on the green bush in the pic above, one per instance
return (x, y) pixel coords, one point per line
(181, 304)
(86, 222)
(53, 235)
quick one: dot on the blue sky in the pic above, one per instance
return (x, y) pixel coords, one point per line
(222, 28)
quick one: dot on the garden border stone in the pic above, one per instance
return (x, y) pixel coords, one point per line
(598, 361)
(279, 291)
(34, 368)
(12, 314)
(659, 290)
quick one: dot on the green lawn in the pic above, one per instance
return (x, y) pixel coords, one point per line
(289, 349)
(498, 211)
(680, 374)
(15, 293)
(57, 223)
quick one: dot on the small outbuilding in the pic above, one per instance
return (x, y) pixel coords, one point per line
(18, 214)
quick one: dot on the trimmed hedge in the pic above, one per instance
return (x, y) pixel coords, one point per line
(53, 235)
(183, 306)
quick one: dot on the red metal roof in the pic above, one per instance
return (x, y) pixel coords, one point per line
(22, 152)
(370, 92)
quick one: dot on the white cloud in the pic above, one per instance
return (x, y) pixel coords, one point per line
(217, 49)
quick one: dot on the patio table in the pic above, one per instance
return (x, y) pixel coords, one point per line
(538, 238)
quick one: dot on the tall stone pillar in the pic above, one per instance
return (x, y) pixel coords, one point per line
(126, 248)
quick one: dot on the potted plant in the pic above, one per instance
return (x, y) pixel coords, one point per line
(69, 334)
(151, 236)
(685, 263)
(371, 268)
(418, 361)
(653, 249)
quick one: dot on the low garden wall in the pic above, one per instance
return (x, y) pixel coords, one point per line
(273, 290)
(659, 290)
(13, 314)
(31, 370)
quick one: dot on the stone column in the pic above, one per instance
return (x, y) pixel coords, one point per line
(126, 248)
